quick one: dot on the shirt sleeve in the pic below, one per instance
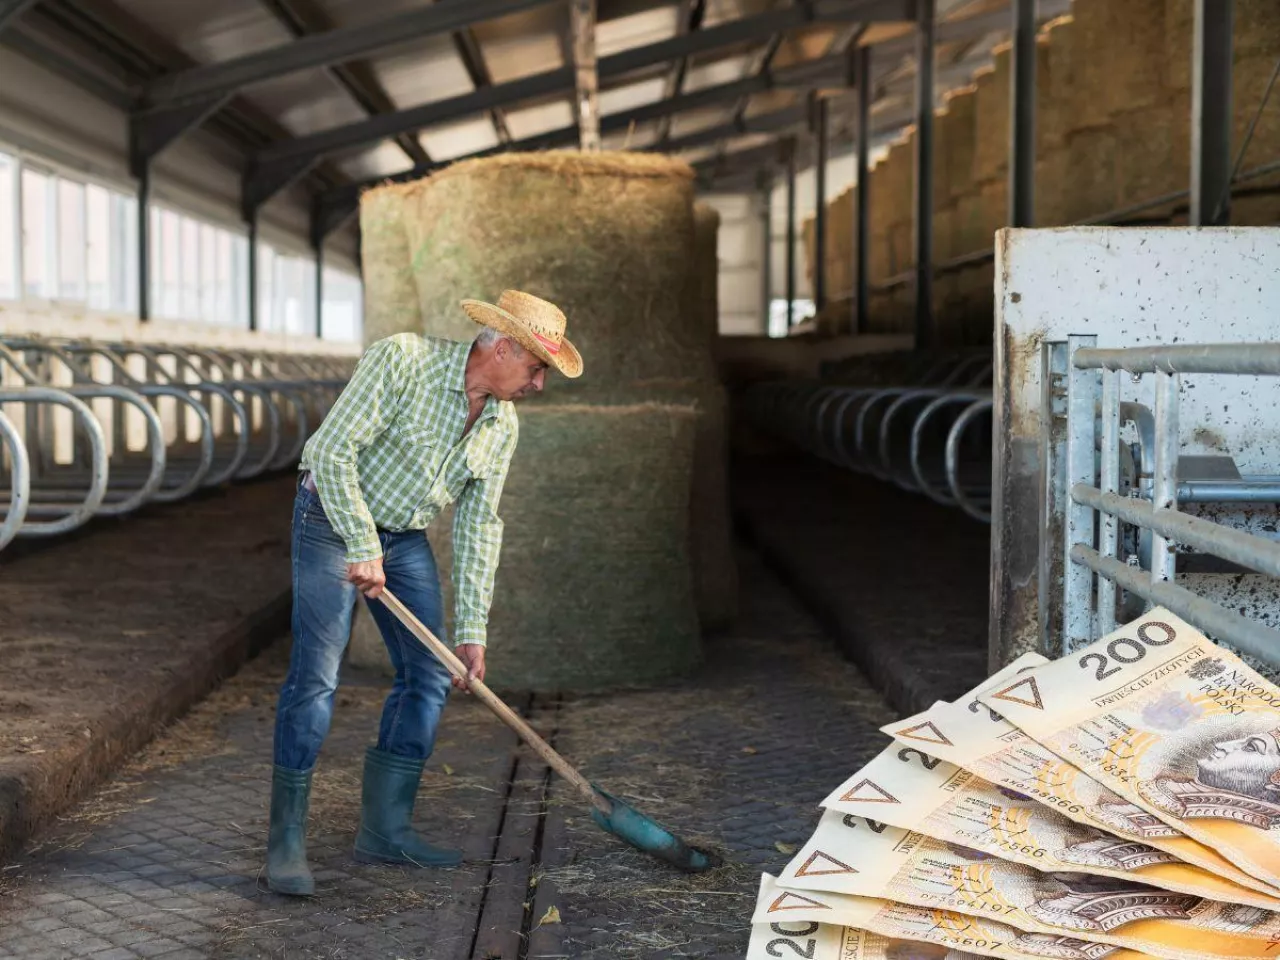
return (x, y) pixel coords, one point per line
(477, 543)
(362, 412)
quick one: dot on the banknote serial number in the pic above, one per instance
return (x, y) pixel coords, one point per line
(954, 900)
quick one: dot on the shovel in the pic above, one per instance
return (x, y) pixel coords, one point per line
(611, 814)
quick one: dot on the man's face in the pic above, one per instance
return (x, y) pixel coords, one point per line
(519, 372)
(1243, 766)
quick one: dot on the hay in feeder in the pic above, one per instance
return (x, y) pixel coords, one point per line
(390, 294)
(607, 237)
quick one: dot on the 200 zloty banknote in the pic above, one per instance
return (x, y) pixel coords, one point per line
(1172, 723)
(978, 738)
(830, 926)
(906, 788)
(851, 855)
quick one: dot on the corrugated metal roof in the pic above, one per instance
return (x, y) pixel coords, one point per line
(535, 41)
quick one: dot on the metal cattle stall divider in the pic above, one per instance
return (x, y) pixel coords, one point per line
(228, 415)
(1083, 507)
(910, 434)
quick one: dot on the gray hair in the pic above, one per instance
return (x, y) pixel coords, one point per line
(488, 337)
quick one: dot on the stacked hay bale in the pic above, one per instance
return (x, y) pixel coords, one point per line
(1089, 174)
(1052, 121)
(595, 589)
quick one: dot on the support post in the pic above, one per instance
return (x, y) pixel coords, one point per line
(790, 149)
(766, 249)
(582, 15)
(820, 207)
(1022, 114)
(862, 228)
(1084, 390)
(1211, 113)
(925, 35)
(144, 241)
(320, 290)
(253, 271)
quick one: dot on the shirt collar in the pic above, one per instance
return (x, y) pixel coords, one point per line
(455, 377)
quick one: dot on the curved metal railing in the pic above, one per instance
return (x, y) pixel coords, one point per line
(931, 436)
(150, 423)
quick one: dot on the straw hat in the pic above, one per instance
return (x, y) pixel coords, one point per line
(536, 324)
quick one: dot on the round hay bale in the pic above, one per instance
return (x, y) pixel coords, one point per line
(390, 293)
(594, 589)
(608, 237)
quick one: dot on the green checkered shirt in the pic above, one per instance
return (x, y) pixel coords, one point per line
(391, 455)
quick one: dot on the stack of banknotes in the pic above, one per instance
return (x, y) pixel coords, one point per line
(1120, 801)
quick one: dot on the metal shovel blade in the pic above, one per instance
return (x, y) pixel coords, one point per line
(630, 825)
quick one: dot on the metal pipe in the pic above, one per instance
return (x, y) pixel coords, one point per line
(1022, 114)
(1083, 393)
(83, 512)
(820, 208)
(1248, 636)
(19, 483)
(925, 48)
(1211, 116)
(1244, 490)
(862, 227)
(766, 257)
(253, 272)
(1262, 359)
(1164, 475)
(954, 437)
(1109, 481)
(582, 22)
(1206, 536)
(144, 241)
(791, 233)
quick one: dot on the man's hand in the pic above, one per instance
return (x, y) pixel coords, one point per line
(471, 654)
(368, 577)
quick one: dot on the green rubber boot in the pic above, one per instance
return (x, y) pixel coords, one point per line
(386, 815)
(287, 870)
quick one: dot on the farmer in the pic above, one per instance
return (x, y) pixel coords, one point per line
(423, 423)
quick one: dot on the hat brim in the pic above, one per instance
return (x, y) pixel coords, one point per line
(568, 361)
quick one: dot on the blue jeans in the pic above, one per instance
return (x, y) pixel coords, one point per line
(323, 604)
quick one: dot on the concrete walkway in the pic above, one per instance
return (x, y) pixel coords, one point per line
(165, 860)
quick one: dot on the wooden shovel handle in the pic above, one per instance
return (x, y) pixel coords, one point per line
(491, 700)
